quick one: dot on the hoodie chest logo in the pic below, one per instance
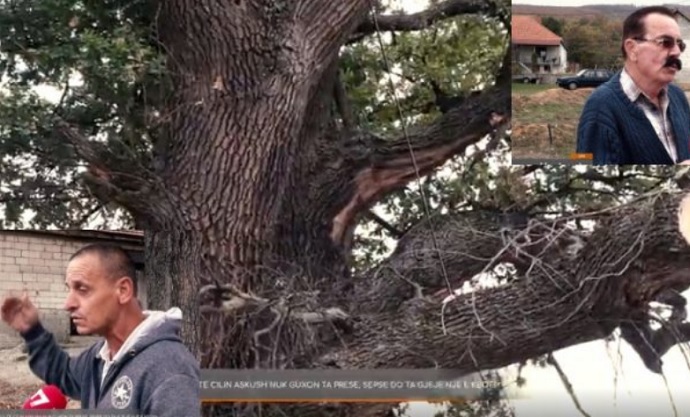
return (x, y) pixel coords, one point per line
(121, 393)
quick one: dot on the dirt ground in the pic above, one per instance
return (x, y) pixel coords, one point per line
(554, 95)
(18, 383)
(545, 123)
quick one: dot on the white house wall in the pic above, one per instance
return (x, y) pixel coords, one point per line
(557, 53)
(563, 54)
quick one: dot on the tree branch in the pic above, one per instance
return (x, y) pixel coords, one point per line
(334, 19)
(422, 20)
(652, 345)
(667, 337)
(110, 178)
(386, 165)
(468, 243)
(89, 151)
(386, 226)
(566, 383)
(559, 301)
(342, 102)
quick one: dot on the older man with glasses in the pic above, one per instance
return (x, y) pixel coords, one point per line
(639, 116)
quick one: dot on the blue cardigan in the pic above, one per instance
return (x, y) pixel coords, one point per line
(616, 131)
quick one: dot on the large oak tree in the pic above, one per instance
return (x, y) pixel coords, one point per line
(250, 138)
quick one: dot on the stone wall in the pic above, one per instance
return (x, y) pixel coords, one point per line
(36, 264)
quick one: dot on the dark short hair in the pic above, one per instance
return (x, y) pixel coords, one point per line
(114, 259)
(633, 27)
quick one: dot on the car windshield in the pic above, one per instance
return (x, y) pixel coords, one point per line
(579, 73)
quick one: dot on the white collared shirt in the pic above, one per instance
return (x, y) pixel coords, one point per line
(657, 117)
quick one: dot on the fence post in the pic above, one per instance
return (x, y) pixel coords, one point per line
(550, 135)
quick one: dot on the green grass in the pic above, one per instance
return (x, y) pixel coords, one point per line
(528, 89)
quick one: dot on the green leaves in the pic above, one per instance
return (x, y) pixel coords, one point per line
(108, 78)
(458, 55)
(453, 58)
(594, 43)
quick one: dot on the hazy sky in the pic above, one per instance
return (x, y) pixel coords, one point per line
(588, 2)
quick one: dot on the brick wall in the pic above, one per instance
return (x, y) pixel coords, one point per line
(37, 263)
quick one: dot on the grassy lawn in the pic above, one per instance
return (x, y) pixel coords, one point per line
(528, 89)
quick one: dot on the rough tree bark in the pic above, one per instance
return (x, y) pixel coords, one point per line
(254, 189)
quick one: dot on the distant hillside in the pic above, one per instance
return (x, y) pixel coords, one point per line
(609, 10)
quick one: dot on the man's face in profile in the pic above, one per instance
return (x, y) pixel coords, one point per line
(652, 56)
(92, 298)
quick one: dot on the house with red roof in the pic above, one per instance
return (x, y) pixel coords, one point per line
(536, 47)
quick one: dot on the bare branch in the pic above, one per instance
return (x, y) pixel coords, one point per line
(468, 243)
(566, 383)
(387, 226)
(652, 345)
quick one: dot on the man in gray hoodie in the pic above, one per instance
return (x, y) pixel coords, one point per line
(141, 365)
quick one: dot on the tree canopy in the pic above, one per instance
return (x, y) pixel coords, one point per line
(108, 66)
(593, 42)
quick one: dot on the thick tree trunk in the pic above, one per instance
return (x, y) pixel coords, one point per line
(173, 273)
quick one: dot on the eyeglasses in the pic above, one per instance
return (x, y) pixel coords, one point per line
(666, 42)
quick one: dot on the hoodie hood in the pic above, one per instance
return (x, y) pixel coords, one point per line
(157, 326)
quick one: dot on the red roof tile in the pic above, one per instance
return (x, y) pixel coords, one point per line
(528, 30)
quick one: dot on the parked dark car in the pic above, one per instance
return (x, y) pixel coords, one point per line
(585, 78)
